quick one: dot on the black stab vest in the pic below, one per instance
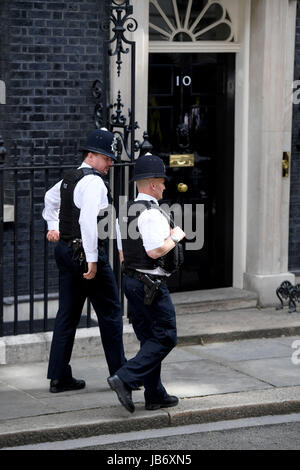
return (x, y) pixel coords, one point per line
(69, 227)
(135, 255)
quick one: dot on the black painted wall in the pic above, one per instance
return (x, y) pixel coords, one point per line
(50, 54)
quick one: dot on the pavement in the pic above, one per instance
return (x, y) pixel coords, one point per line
(233, 360)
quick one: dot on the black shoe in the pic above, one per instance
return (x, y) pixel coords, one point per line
(165, 402)
(57, 386)
(123, 392)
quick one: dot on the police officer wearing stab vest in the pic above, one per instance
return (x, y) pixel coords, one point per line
(148, 261)
(71, 210)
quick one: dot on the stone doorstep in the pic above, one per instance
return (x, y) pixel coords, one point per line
(229, 298)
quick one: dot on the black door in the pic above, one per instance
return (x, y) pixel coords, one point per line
(191, 127)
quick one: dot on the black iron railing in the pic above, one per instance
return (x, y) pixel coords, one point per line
(28, 274)
(27, 270)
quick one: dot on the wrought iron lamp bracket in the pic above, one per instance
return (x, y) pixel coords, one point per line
(122, 21)
(98, 110)
(119, 15)
(119, 121)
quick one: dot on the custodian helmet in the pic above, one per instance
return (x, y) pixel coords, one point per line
(149, 166)
(102, 141)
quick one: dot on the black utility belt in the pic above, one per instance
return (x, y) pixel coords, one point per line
(151, 283)
(70, 243)
(140, 276)
(78, 241)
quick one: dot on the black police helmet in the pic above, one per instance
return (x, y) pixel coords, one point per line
(102, 141)
(149, 166)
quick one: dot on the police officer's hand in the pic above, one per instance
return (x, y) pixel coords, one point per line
(178, 232)
(52, 236)
(91, 272)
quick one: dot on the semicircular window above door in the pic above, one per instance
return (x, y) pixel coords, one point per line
(189, 21)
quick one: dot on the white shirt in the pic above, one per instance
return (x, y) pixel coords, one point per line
(154, 229)
(90, 196)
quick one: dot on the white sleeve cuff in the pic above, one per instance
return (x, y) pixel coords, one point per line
(53, 225)
(91, 257)
(119, 240)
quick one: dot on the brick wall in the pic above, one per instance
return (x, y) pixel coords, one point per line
(50, 54)
(294, 239)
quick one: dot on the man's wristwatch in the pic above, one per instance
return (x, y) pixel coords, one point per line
(175, 239)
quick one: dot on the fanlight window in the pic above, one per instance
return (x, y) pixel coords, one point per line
(189, 20)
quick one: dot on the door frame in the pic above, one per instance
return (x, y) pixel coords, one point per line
(240, 10)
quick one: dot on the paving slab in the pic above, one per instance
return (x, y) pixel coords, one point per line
(205, 378)
(248, 349)
(278, 372)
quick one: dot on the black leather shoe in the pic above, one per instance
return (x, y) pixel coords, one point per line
(57, 386)
(123, 392)
(166, 402)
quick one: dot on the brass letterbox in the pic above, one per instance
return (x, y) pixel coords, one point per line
(187, 159)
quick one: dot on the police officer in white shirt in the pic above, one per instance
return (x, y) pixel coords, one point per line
(148, 260)
(71, 211)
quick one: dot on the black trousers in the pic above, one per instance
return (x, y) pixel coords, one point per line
(155, 328)
(73, 291)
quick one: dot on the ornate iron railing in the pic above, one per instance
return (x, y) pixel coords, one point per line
(290, 293)
(28, 275)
